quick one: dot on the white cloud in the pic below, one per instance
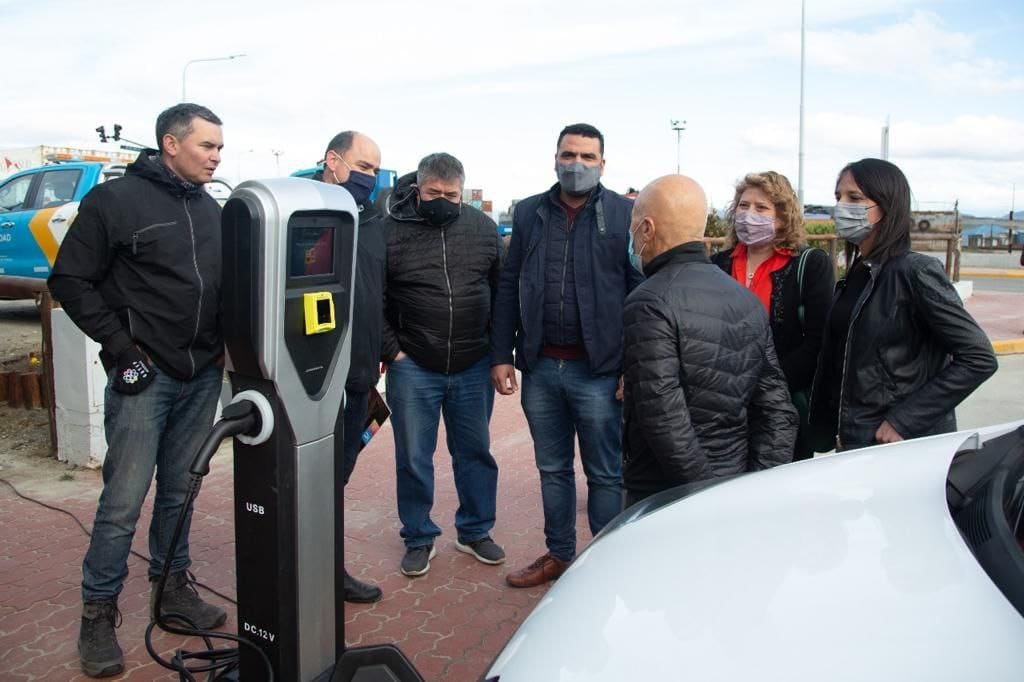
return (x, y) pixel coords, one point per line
(964, 138)
(916, 49)
(493, 82)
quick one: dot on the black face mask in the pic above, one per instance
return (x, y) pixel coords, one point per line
(439, 212)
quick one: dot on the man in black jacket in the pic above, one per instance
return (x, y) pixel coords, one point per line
(443, 260)
(559, 308)
(352, 160)
(139, 273)
(704, 394)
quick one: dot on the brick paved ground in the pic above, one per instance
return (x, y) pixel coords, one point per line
(451, 622)
(1001, 314)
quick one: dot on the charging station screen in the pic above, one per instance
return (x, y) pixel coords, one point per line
(311, 251)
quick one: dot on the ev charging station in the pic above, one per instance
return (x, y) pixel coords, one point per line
(289, 249)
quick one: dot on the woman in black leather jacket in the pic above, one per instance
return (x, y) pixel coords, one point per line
(899, 351)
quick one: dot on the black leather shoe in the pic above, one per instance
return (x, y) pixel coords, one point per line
(358, 592)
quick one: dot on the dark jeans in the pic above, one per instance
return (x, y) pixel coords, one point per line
(157, 430)
(563, 400)
(357, 406)
(418, 397)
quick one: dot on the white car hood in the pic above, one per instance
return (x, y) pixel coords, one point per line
(845, 567)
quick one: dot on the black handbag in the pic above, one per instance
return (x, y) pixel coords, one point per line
(810, 438)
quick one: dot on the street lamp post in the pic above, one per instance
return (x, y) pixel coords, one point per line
(679, 127)
(184, 71)
(800, 153)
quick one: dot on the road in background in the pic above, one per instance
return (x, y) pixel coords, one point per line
(998, 400)
(1008, 285)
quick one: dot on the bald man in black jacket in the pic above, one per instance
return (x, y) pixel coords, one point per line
(704, 394)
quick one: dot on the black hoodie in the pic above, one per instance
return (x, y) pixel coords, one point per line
(141, 264)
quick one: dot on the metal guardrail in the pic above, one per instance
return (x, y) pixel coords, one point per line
(830, 243)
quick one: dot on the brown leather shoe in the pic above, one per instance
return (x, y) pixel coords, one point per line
(539, 572)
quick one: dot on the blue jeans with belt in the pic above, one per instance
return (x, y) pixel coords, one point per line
(418, 398)
(563, 400)
(157, 430)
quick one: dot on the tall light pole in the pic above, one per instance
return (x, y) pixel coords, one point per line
(885, 140)
(184, 71)
(679, 127)
(800, 153)
(277, 158)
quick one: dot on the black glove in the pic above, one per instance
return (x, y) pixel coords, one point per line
(133, 373)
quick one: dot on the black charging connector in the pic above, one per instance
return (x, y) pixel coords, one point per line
(238, 418)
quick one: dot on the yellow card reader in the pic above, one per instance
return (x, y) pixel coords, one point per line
(319, 307)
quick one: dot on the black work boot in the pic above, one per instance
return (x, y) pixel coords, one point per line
(97, 643)
(180, 597)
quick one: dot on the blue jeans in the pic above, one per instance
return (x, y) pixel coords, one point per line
(562, 400)
(357, 406)
(417, 398)
(159, 429)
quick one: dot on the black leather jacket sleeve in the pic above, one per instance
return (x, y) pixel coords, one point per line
(772, 418)
(658, 403)
(972, 360)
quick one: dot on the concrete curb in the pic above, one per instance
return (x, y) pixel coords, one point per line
(1008, 346)
(994, 273)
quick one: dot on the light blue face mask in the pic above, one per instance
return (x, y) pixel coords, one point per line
(634, 258)
(852, 223)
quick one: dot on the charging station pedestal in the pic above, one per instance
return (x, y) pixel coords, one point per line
(289, 269)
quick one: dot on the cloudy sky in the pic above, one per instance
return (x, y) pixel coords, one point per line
(494, 81)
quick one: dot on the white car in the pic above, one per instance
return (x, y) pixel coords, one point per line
(899, 562)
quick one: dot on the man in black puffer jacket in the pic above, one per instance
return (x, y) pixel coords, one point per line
(139, 272)
(443, 261)
(704, 394)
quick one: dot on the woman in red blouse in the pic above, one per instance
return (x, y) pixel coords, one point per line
(766, 252)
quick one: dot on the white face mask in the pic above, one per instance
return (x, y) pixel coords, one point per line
(754, 229)
(852, 222)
